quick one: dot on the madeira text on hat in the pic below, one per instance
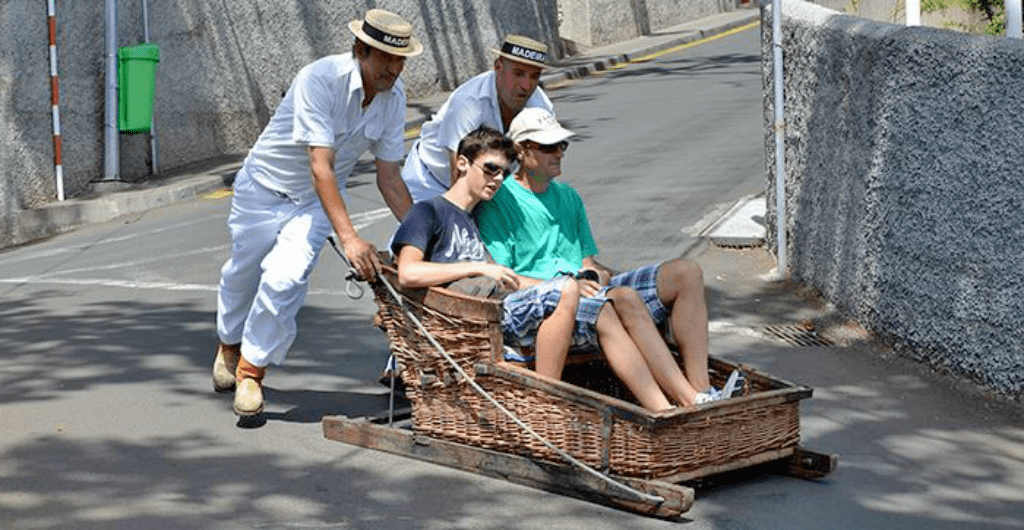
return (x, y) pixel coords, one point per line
(386, 31)
(524, 50)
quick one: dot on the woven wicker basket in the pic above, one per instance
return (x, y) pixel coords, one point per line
(590, 415)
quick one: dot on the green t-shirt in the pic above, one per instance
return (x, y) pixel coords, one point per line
(536, 234)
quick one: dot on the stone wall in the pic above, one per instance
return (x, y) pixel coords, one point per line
(223, 68)
(905, 184)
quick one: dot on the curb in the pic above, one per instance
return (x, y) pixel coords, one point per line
(61, 217)
(742, 226)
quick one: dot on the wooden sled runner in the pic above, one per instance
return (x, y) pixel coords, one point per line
(589, 415)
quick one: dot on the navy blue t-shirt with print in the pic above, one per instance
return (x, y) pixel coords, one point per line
(444, 232)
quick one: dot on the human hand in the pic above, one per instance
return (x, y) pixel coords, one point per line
(505, 276)
(588, 288)
(363, 257)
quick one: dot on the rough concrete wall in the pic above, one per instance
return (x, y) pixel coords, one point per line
(26, 146)
(223, 68)
(904, 183)
(599, 22)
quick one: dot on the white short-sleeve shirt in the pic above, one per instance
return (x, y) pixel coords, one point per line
(323, 108)
(472, 104)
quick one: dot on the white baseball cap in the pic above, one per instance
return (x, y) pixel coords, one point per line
(537, 125)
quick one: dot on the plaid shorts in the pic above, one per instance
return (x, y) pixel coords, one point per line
(584, 332)
(643, 280)
(522, 313)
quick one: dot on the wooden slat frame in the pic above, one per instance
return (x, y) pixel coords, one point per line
(563, 480)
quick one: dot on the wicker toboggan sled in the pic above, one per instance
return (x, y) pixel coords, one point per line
(589, 415)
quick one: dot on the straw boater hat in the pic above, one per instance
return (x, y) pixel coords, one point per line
(386, 31)
(524, 50)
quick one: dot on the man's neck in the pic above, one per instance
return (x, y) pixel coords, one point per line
(507, 115)
(534, 182)
(368, 91)
(368, 94)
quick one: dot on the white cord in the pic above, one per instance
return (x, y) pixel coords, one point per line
(351, 276)
(624, 487)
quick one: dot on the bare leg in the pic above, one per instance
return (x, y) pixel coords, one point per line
(554, 335)
(681, 289)
(627, 362)
(641, 329)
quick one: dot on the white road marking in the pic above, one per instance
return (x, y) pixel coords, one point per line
(93, 244)
(133, 284)
(359, 221)
(128, 264)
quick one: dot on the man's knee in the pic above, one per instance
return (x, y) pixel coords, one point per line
(605, 317)
(570, 297)
(284, 279)
(683, 271)
(626, 300)
(681, 274)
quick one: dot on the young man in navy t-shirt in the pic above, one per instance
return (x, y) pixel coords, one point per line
(438, 244)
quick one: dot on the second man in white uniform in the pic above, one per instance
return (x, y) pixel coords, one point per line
(492, 98)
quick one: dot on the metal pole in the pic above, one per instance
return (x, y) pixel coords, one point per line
(154, 151)
(110, 132)
(58, 166)
(913, 12)
(780, 143)
(1013, 19)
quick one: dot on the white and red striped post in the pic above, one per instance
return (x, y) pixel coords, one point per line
(55, 99)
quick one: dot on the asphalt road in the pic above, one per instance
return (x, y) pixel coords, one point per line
(661, 144)
(108, 420)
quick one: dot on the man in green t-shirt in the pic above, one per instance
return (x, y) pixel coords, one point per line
(538, 227)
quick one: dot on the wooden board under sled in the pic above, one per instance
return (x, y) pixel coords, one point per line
(561, 479)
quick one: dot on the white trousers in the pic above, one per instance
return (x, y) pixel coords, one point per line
(275, 243)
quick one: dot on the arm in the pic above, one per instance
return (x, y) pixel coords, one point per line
(393, 188)
(414, 272)
(360, 252)
(526, 281)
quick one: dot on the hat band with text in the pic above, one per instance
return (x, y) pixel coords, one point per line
(386, 38)
(525, 53)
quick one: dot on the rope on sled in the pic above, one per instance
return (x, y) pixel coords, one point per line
(566, 456)
(351, 277)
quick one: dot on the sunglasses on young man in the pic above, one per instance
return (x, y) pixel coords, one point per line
(493, 170)
(551, 148)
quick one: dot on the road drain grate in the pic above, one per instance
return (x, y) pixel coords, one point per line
(738, 246)
(796, 334)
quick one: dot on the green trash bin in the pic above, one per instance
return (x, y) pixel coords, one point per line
(136, 83)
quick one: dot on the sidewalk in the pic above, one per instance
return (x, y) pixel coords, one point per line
(113, 200)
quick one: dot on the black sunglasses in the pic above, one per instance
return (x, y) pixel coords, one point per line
(493, 170)
(549, 149)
